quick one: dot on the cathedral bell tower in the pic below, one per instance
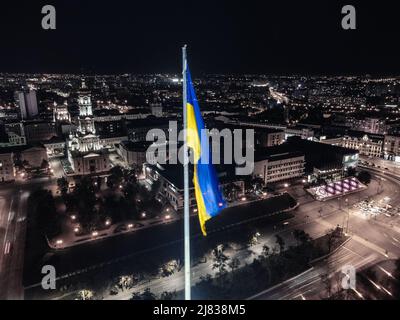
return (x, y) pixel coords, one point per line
(86, 120)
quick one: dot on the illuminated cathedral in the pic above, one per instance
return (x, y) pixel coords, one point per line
(86, 153)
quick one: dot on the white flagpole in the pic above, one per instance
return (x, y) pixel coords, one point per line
(188, 282)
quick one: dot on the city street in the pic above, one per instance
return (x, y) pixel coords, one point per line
(13, 213)
(372, 242)
(358, 253)
(308, 285)
(315, 218)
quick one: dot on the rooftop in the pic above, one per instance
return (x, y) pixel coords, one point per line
(136, 146)
(276, 153)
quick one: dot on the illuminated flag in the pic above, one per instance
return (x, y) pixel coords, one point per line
(208, 196)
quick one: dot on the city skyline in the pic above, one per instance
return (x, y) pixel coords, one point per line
(289, 117)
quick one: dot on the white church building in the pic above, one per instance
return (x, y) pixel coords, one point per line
(86, 154)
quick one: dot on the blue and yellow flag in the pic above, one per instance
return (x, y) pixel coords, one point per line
(208, 196)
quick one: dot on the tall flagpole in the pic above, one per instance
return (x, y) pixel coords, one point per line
(188, 282)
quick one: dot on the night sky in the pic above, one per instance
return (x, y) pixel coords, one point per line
(272, 37)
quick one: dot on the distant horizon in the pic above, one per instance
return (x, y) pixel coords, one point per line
(87, 74)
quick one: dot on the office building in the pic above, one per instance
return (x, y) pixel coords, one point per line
(27, 102)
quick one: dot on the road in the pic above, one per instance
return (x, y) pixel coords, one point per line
(393, 167)
(377, 236)
(308, 285)
(359, 252)
(13, 213)
(159, 242)
(373, 241)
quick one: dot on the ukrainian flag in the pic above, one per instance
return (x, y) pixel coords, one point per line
(208, 196)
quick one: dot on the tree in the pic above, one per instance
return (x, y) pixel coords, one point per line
(85, 198)
(116, 177)
(333, 236)
(26, 164)
(220, 263)
(254, 240)
(44, 165)
(155, 188)
(85, 295)
(280, 242)
(148, 295)
(44, 213)
(301, 237)
(130, 191)
(136, 296)
(111, 207)
(168, 295)
(169, 268)
(327, 284)
(231, 191)
(257, 183)
(234, 264)
(125, 282)
(364, 177)
(265, 252)
(62, 184)
(351, 172)
(129, 176)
